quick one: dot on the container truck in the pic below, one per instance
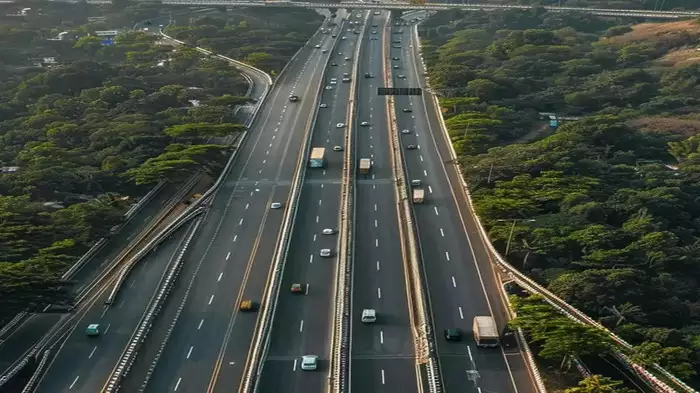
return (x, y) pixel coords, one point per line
(365, 165)
(418, 195)
(485, 332)
(318, 157)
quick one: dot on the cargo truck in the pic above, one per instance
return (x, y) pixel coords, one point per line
(418, 195)
(365, 165)
(318, 157)
(485, 332)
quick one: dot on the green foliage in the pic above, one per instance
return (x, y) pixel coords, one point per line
(558, 337)
(266, 38)
(603, 210)
(598, 384)
(90, 131)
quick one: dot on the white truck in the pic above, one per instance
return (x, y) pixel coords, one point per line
(418, 195)
(365, 165)
(485, 332)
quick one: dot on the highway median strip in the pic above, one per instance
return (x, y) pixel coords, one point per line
(425, 348)
(340, 332)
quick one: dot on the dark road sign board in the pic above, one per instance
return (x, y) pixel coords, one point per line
(399, 91)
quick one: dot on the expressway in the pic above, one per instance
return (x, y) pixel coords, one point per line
(302, 322)
(461, 285)
(382, 357)
(229, 260)
(83, 363)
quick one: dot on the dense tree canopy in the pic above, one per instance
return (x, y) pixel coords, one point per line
(254, 35)
(605, 208)
(82, 138)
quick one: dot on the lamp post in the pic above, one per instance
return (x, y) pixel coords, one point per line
(512, 229)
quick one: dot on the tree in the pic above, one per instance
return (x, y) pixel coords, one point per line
(676, 360)
(597, 384)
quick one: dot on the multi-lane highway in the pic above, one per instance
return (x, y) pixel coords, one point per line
(458, 281)
(382, 357)
(83, 363)
(230, 260)
(302, 321)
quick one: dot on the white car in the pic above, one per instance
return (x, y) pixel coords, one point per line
(324, 51)
(309, 362)
(405, 131)
(328, 231)
(329, 87)
(337, 148)
(325, 252)
(323, 106)
(343, 38)
(364, 124)
(334, 82)
(340, 125)
(275, 205)
(317, 46)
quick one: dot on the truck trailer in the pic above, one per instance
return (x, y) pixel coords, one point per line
(485, 332)
(365, 165)
(418, 195)
(318, 157)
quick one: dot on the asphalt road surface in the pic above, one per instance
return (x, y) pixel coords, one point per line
(302, 321)
(458, 281)
(382, 358)
(230, 259)
(84, 363)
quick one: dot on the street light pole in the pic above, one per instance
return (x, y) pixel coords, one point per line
(512, 230)
(510, 237)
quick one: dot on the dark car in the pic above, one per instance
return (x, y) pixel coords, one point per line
(407, 110)
(453, 334)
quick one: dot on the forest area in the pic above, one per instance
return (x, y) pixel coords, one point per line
(602, 210)
(86, 128)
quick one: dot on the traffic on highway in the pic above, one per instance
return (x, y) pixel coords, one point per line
(221, 325)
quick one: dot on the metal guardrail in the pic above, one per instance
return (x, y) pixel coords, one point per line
(59, 330)
(522, 279)
(130, 214)
(426, 351)
(29, 387)
(340, 333)
(144, 327)
(102, 279)
(123, 274)
(168, 333)
(13, 322)
(90, 253)
(261, 341)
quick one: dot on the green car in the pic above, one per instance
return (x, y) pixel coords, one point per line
(93, 329)
(453, 335)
